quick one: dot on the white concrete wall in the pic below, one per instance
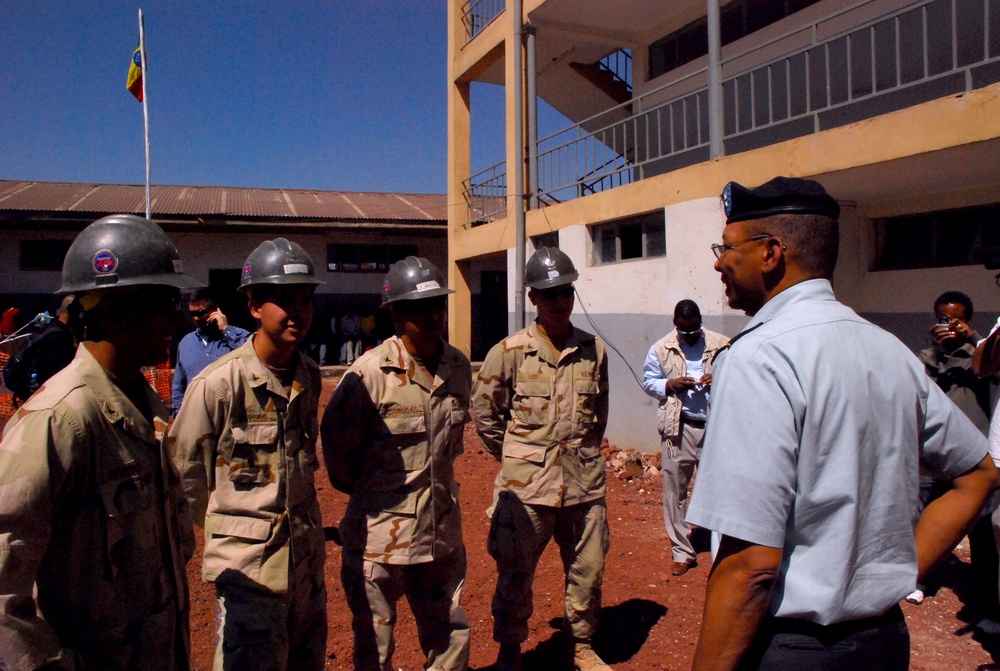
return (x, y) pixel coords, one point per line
(631, 303)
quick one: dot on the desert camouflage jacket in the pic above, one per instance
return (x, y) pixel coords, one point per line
(391, 433)
(542, 413)
(93, 517)
(246, 452)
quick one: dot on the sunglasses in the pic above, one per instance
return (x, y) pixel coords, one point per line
(199, 313)
(557, 292)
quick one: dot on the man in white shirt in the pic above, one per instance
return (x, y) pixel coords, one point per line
(678, 373)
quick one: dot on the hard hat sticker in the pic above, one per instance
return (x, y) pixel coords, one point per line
(105, 262)
(246, 269)
(296, 269)
(426, 286)
(553, 274)
(178, 266)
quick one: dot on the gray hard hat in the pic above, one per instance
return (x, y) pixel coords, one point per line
(411, 279)
(122, 250)
(278, 261)
(549, 267)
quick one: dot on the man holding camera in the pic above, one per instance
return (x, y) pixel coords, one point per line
(212, 338)
(950, 358)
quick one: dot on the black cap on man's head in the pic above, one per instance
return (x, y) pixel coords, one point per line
(782, 195)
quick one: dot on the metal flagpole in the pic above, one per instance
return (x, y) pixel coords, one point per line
(145, 109)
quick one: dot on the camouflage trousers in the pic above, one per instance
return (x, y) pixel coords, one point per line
(518, 534)
(261, 630)
(433, 589)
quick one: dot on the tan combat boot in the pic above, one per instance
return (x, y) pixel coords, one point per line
(585, 659)
(509, 658)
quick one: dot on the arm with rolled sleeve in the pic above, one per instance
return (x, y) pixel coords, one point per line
(194, 438)
(36, 468)
(654, 380)
(491, 399)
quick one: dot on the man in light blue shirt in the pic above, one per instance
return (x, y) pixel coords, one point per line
(212, 338)
(678, 373)
(820, 424)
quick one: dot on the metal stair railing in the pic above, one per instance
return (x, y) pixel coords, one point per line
(900, 58)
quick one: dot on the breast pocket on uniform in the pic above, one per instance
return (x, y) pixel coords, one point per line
(532, 403)
(125, 501)
(254, 461)
(406, 445)
(586, 390)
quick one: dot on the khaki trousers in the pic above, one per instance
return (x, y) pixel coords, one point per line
(680, 457)
(433, 589)
(518, 535)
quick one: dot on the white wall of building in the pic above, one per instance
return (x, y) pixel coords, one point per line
(631, 303)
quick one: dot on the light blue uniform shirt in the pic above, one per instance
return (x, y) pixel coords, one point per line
(819, 421)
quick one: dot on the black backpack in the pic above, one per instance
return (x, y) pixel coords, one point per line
(46, 353)
(17, 373)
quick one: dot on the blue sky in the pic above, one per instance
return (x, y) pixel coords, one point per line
(338, 95)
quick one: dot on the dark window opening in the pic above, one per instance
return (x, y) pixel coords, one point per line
(343, 258)
(936, 239)
(43, 254)
(639, 237)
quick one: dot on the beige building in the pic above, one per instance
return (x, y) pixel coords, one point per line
(351, 237)
(892, 104)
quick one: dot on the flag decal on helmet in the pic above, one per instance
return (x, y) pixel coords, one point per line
(105, 262)
(246, 269)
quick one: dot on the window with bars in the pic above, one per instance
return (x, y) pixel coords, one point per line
(640, 237)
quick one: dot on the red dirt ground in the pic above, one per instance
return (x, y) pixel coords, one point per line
(650, 619)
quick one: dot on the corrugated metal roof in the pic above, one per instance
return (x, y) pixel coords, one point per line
(219, 201)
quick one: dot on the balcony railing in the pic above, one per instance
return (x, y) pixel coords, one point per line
(903, 58)
(487, 200)
(619, 64)
(477, 14)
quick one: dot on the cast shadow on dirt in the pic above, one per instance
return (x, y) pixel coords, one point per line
(958, 576)
(623, 631)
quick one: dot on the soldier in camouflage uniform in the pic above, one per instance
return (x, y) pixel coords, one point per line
(391, 433)
(540, 403)
(95, 532)
(245, 444)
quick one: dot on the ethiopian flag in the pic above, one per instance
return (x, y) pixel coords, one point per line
(135, 73)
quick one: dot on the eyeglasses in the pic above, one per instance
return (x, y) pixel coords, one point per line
(689, 333)
(199, 313)
(720, 249)
(556, 292)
